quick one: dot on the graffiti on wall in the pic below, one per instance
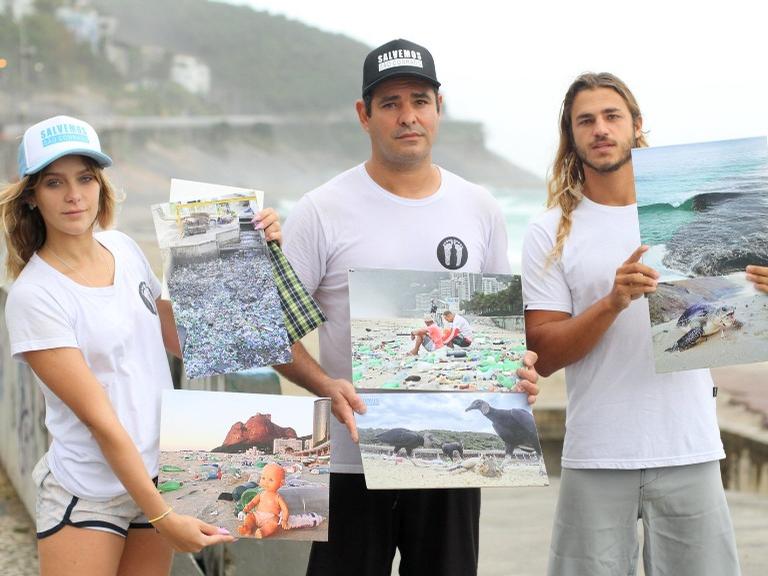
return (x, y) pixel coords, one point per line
(30, 426)
(22, 406)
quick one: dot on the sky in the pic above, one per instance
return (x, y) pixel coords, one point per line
(200, 420)
(446, 411)
(697, 68)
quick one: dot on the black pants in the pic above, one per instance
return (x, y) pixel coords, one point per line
(437, 531)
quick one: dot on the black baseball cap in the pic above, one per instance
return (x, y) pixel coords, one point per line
(398, 58)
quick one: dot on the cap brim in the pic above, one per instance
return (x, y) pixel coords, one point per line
(395, 74)
(101, 159)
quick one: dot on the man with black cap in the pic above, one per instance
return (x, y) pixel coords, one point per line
(343, 224)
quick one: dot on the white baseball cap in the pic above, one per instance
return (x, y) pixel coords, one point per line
(51, 139)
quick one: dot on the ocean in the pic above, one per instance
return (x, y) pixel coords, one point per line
(703, 207)
(519, 208)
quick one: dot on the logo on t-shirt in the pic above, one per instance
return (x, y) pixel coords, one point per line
(452, 253)
(146, 297)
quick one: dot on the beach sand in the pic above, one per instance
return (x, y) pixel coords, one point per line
(198, 497)
(388, 472)
(380, 360)
(748, 343)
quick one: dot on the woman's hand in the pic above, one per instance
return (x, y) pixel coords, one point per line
(188, 534)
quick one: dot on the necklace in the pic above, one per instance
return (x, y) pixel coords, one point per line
(74, 270)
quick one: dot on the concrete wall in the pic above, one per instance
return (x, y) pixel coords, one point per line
(23, 436)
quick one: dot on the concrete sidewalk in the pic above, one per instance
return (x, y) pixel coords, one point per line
(514, 536)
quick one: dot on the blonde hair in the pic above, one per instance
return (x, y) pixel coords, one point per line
(24, 228)
(564, 188)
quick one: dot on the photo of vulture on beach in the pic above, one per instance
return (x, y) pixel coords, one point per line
(450, 440)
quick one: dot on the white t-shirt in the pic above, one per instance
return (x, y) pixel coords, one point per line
(352, 222)
(621, 414)
(460, 326)
(118, 331)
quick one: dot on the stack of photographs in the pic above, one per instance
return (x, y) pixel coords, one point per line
(458, 334)
(220, 279)
(703, 210)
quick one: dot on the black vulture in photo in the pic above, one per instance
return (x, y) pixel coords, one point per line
(453, 450)
(402, 438)
(515, 426)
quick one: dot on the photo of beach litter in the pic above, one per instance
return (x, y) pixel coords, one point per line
(255, 464)
(449, 440)
(447, 331)
(220, 279)
(703, 210)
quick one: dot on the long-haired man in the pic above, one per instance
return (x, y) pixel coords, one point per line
(638, 445)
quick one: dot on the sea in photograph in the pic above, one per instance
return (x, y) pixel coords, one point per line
(703, 207)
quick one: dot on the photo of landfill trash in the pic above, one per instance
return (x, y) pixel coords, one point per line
(448, 331)
(450, 440)
(703, 210)
(220, 279)
(255, 464)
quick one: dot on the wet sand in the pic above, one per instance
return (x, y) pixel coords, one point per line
(380, 358)
(734, 345)
(395, 472)
(198, 496)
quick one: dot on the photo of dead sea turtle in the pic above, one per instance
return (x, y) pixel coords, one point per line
(704, 320)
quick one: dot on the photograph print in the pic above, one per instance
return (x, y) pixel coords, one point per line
(448, 331)
(449, 440)
(220, 279)
(255, 464)
(703, 210)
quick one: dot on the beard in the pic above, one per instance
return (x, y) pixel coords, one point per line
(626, 151)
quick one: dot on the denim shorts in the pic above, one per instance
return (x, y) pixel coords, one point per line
(56, 508)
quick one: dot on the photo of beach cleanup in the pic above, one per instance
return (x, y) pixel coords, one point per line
(447, 331)
(220, 279)
(449, 440)
(703, 210)
(255, 464)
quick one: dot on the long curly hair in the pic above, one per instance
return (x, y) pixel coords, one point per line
(564, 188)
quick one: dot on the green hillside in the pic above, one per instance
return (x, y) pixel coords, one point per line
(260, 63)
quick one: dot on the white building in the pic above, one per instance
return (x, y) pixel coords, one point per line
(491, 285)
(283, 445)
(191, 74)
(87, 26)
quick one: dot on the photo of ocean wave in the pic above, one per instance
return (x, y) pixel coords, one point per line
(703, 210)
(704, 207)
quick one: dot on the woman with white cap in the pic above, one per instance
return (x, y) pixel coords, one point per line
(79, 313)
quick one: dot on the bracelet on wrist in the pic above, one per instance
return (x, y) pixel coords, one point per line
(163, 515)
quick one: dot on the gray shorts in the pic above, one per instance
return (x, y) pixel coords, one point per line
(429, 346)
(56, 508)
(686, 523)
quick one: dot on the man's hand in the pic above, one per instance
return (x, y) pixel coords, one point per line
(758, 275)
(633, 280)
(528, 377)
(345, 401)
(268, 221)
